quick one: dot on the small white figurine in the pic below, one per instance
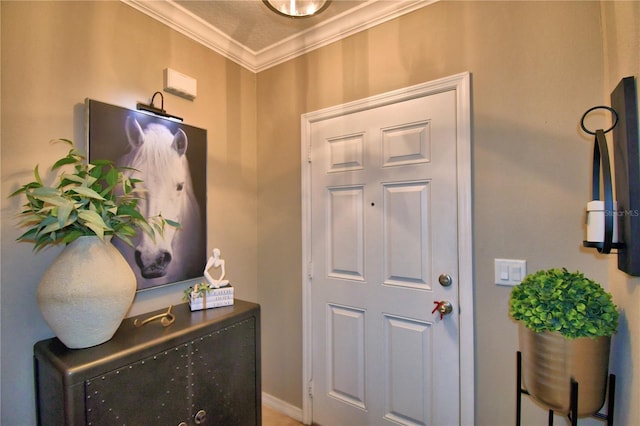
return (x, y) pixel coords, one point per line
(216, 262)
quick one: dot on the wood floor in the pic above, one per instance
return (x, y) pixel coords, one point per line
(273, 418)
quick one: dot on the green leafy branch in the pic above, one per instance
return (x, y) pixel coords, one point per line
(97, 198)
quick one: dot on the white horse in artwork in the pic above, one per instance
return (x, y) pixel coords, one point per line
(158, 158)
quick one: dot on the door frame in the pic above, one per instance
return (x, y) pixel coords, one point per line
(461, 83)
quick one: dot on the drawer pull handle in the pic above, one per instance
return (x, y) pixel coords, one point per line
(200, 417)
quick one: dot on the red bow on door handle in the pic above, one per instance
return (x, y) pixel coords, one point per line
(444, 306)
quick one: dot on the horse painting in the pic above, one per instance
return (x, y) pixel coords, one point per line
(158, 157)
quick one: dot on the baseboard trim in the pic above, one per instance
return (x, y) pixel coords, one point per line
(282, 406)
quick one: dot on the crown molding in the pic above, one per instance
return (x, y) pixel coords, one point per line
(194, 27)
(369, 14)
(353, 21)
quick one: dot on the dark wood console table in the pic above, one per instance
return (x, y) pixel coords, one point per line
(202, 369)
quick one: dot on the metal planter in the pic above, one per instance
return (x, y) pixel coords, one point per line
(550, 361)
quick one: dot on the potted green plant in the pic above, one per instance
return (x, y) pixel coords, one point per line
(565, 322)
(87, 291)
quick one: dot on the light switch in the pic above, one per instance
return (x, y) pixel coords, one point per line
(509, 272)
(504, 272)
(515, 272)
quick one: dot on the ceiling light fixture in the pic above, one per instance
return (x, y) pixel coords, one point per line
(297, 8)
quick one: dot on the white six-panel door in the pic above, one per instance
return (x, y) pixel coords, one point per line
(383, 222)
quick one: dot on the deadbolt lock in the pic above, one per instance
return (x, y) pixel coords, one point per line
(445, 280)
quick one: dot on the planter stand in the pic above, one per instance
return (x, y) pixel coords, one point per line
(574, 399)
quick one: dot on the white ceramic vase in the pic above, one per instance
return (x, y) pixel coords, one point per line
(86, 292)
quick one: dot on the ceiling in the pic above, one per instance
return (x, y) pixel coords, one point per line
(250, 34)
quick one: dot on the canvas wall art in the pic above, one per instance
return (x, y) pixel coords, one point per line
(170, 158)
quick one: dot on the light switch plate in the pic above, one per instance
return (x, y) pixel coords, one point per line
(509, 272)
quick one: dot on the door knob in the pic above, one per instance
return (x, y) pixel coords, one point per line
(444, 307)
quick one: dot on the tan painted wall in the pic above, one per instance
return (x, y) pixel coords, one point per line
(621, 31)
(536, 67)
(54, 55)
